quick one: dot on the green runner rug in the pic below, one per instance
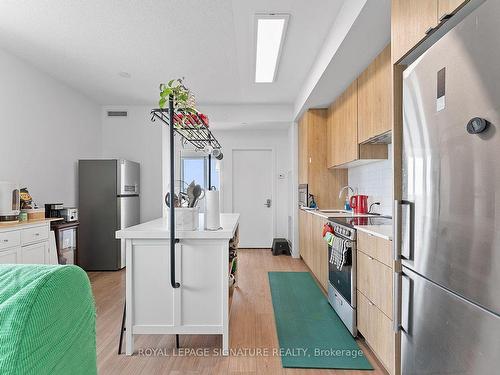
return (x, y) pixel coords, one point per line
(310, 333)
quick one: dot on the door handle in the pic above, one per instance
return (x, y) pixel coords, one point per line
(405, 302)
(403, 233)
(396, 305)
(268, 203)
(406, 230)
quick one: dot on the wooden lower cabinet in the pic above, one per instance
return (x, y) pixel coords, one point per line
(376, 247)
(320, 249)
(305, 235)
(376, 328)
(374, 297)
(375, 282)
(313, 249)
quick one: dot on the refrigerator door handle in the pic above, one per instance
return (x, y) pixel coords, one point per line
(396, 278)
(405, 303)
(406, 230)
(396, 244)
(396, 306)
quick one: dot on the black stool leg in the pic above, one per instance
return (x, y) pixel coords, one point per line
(122, 327)
(177, 341)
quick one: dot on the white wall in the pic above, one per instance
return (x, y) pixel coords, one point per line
(45, 127)
(241, 139)
(293, 198)
(138, 139)
(375, 180)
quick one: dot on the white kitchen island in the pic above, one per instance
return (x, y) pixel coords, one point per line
(201, 304)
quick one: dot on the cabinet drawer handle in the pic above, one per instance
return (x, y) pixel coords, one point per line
(429, 30)
(37, 234)
(6, 240)
(369, 257)
(371, 303)
(445, 17)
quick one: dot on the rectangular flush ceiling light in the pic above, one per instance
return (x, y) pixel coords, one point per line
(271, 29)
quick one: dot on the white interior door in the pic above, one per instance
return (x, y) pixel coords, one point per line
(252, 196)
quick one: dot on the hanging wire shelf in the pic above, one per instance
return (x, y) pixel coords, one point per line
(193, 130)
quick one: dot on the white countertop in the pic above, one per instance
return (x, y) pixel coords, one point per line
(25, 224)
(159, 229)
(326, 215)
(382, 231)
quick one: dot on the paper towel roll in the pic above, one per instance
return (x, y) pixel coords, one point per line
(212, 213)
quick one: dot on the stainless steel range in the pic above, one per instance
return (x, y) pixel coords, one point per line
(342, 279)
(342, 266)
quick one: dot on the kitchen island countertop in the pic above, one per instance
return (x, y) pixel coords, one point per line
(159, 229)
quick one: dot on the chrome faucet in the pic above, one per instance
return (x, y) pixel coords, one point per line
(345, 187)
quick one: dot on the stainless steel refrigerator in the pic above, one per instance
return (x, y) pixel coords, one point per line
(108, 201)
(450, 213)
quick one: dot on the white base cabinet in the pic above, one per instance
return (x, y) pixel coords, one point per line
(200, 305)
(35, 253)
(25, 243)
(10, 256)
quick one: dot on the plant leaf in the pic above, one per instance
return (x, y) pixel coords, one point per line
(162, 102)
(166, 92)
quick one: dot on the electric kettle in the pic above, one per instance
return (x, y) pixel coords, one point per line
(359, 203)
(9, 201)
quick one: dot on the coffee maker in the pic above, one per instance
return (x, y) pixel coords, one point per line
(53, 210)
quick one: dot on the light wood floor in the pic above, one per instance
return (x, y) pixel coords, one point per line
(251, 326)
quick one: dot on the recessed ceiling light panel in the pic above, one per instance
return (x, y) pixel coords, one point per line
(271, 30)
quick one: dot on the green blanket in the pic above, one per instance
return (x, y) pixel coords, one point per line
(47, 321)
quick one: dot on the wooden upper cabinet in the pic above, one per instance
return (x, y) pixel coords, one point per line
(343, 128)
(374, 97)
(323, 183)
(448, 7)
(410, 20)
(303, 152)
(316, 144)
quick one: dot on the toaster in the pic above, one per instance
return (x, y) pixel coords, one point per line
(69, 214)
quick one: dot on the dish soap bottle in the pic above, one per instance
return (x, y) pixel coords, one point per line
(312, 204)
(347, 205)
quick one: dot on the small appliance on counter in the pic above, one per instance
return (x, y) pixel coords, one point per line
(69, 214)
(53, 210)
(57, 210)
(303, 195)
(359, 203)
(9, 202)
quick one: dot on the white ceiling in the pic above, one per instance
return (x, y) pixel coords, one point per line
(210, 42)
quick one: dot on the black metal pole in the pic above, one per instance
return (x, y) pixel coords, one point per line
(173, 240)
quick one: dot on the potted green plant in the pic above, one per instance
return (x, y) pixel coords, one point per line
(185, 110)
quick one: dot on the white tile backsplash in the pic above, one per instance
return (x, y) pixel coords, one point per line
(374, 180)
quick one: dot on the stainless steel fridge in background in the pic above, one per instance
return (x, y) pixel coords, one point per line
(108, 201)
(450, 214)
